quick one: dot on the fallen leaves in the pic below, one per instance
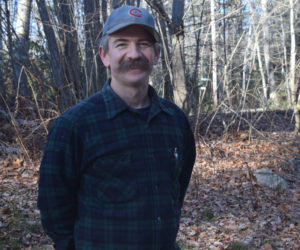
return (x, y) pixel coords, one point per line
(20, 226)
(225, 207)
(242, 212)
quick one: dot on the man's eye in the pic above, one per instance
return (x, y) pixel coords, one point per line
(145, 44)
(120, 45)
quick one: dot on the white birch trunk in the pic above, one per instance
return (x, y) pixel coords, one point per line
(267, 52)
(261, 70)
(214, 55)
(293, 84)
(284, 62)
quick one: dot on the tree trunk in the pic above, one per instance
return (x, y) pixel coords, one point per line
(133, 2)
(178, 58)
(70, 48)
(165, 62)
(21, 56)
(261, 70)
(284, 62)
(225, 70)
(293, 84)
(10, 46)
(64, 96)
(195, 71)
(167, 58)
(214, 55)
(164, 21)
(2, 84)
(104, 10)
(116, 3)
(180, 92)
(95, 70)
(247, 58)
(267, 52)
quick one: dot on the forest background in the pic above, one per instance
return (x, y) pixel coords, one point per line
(233, 66)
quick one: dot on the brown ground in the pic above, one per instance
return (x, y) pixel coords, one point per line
(225, 208)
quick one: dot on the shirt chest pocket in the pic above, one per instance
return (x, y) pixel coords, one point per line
(115, 178)
(168, 166)
(174, 158)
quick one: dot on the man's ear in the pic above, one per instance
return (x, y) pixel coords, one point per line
(104, 57)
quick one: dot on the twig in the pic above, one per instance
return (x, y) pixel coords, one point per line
(14, 123)
(242, 118)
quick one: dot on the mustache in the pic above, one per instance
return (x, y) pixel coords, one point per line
(141, 63)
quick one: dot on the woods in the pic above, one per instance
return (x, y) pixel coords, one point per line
(240, 54)
(232, 66)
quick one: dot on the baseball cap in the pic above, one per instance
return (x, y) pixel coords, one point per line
(129, 15)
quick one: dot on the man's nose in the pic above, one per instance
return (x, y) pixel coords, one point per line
(134, 52)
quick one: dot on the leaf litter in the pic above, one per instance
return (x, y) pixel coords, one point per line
(225, 207)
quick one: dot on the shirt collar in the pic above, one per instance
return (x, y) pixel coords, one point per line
(115, 105)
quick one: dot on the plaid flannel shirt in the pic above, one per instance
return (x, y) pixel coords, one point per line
(110, 179)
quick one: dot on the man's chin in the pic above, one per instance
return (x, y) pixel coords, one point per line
(132, 76)
(136, 79)
(137, 70)
(137, 73)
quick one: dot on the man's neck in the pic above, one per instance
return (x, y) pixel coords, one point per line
(136, 96)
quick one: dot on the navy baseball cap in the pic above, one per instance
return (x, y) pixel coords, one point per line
(129, 15)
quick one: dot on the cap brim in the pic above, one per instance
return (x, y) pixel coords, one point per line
(124, 25)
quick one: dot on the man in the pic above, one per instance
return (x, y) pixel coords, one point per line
(117, 165)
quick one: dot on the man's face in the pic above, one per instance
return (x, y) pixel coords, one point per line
(130, 56)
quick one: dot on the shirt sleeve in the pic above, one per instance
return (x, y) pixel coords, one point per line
(189, 155)
(58, 183)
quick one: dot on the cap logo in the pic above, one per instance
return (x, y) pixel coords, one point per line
(135, 12)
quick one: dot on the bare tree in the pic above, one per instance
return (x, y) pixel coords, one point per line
(117, 3)
(267, 52)
(130, 2)
(263, 80)
(95, 70)
(284, 60)
(214, 55)
(195, 70)
(64, 95)
(178, 57)
(225, 44)
(165, 61)
(104, 10)
(293, 83)
(164, 23)
(69, 47)
(226, 86)
(177, 54)
(248, 49)
(21, 53)
(10, 44)
(252, 51)
(2, 85)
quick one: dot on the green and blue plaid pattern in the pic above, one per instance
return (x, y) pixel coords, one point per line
(111, 179)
